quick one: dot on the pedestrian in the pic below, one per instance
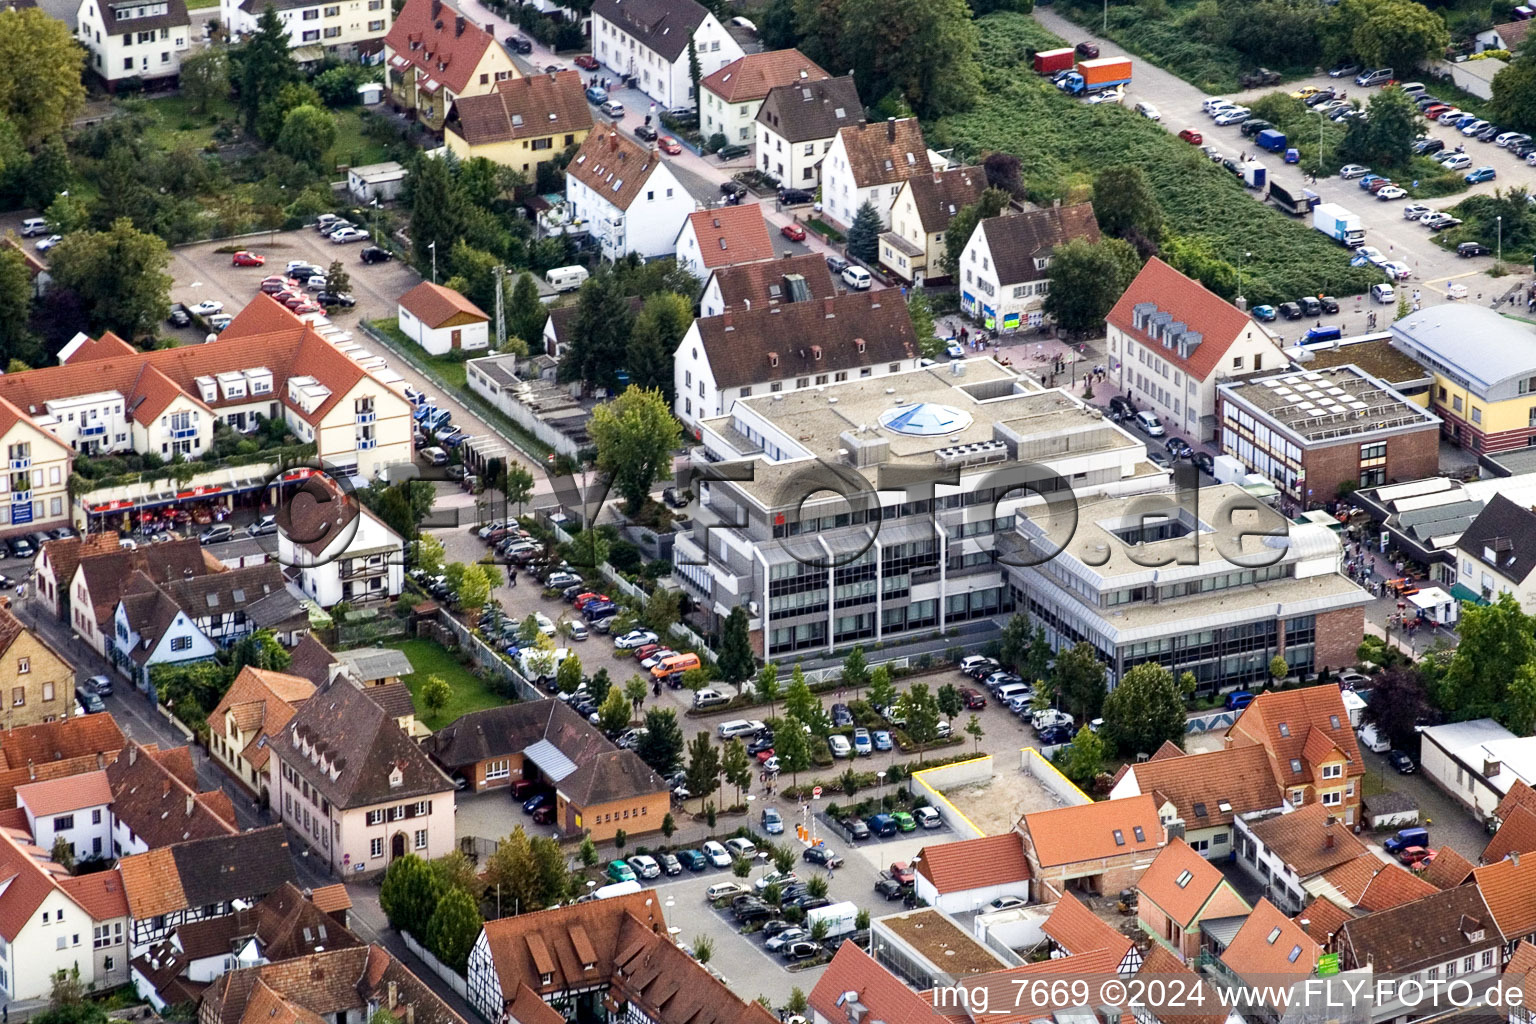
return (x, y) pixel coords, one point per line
(512, 577)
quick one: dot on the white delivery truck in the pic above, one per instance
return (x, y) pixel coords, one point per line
(841, 918)
(1338, 224)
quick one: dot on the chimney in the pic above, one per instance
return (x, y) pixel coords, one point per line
(32, 768)
(133, 753)
(725, 320)
(410, 1013)
(788, 253)
(101, 761)
(1328, 839)
(826, 307)
(458, 25)
(890, 129)
(190, 801)
(394, 992)
(437, 8)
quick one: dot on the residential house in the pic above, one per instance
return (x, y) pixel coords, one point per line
(55, 565)
(100, 579)
(377, 669)
(562, 321)
(1508, 36)
(39, 685)
(1204, 793)
(1506, 888)
(200, 880)
(252, 713)
(226, 607)
(731, 97)
(1479, 763)
(627, 196)
(1313, 754)
(336, 985)
(868, 163)
(1005, 267)
(149, 628)
(1393, 943)
(1522, 966)
(349, 29)
(856, 987)
(74, 811)
(1288, 853)
(803, 277)
(962, 876)
(1178, 891)
(1270, 952)
(1094, 847)
(441, 320)
(723, 237)
(49, 922)
(1075, 931)
(284, 924)
(434, 55)
(797, 124)
(614, 953)
(55, 750)
(340, 550)
(102, 896)
(1448, 869)
(1495, 556)
(788, 347)
(598, 788)
(1368, 884)
(1319, 432)
(1172, 341)
(372, 184)
(134, 41)
(656, 41)
(927, 947)
(356, 787)
(1516, 835)
(34, 492)
(156, 802)
(913, 249)
(522, 123)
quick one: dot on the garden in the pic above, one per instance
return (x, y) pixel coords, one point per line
(466, 691)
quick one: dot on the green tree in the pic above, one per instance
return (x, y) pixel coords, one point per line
(661, 611)
(599, 334)
(260, 649)
(768, 686)
(1496, 640)
(1399, 34)
(703, 945)
(635, 435)
(864, 233)
(921, 710)
(783, 857)
(950, 702)
(882, 692)
(528, 631)
(662, 745)
(599, 685)
(855, 670)
(526, 313)
(427, 554)
(613, 716)
(437, 212)
(792, 748)
(266, 65)
(703, 776)
(1514, 94)
(337, 280)
(1144, 711)
(1278, 669)
(204, 77)
(1124, 205)
(737, 662)
(668, 826)
(119, 276)
(925, 50)
(737, 766)
(963, 224)
(474, 587)
(799, 702)
(1386, 136)
(1087, 279)
(550, 866)
(695, 679)
(659, 327)
(587, 854)
(511, 877)
(568, 675)
(1083, 758)
(1399, 702)
(797, 1001)
(518, 485)
(453, 928)
(974, 730)
(409, 892)
(40, 82)
(634, 692)
(920, 312)
(456, 871)
(1013, 643)
(619, 839)
(63, 853)
(67, 1003)
(1078, 680)
(435, 694)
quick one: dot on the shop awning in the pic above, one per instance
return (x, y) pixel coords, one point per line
(1461, 592)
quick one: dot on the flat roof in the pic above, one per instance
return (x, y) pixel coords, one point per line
(1329, 404)
(941, 942)
(1482, 740)
(1375, 356)
(1442, 337)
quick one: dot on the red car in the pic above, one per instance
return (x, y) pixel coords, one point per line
(764, 755)
(293, 301)
(307, 307)
(587, 61)
(1417, 856)
(973, 698)
(273, 285)
(793, 232)
(668, 145)
(247, 259)
(1191, 136)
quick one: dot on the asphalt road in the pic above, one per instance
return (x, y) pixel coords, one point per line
(1434, 268)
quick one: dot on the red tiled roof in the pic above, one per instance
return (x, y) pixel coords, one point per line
(1519, 795)
(1002, 987)
(271, 697)
(100, 893)
(885, 995)
(1509, 889)
(434, 305)
(885, 153)
(442, 44)
(1522, 965)
(71, 793)
(730, 235)
(523, 108)
(1211, 788)
(331, 898)
(1067, 835)
(1517, 834)
(750, 77)
(1161, 962)
(1283, 722)
(1218, 321)
(974, 863)
(614, 167)
(105, 347)
(1392, 887)
(1322, 918)
(1077, 929)
(1308, 840)
(1448, 870)
(30, 877)
(1180, 882)
(1269, 943)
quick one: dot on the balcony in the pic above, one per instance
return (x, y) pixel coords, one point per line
(365, 418)
(183, 433)
(21, 463)
(364, 571)
(21, 497)
(95, 430)
(365, 443)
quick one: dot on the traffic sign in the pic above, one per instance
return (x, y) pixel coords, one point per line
(816, 793)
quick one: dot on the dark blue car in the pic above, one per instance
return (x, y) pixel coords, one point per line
(881, 824)
(693, 860)
(534, 802)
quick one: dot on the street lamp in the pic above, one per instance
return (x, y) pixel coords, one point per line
(1106, 18)
(1240, 258)
(1500, 221)
(433, 246)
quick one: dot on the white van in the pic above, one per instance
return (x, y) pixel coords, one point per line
(1383, 293)
(34, 226)
(1008, 691)
(739, 727)
(566, 279)
(857, 278)
(610, 891)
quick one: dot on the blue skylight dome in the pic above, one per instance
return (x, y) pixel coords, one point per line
(925, 419)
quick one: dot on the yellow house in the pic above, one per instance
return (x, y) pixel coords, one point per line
(435, 56)
(1483, 392)
(920, 215)
(522, 122)
(258, 706)
(37, 683)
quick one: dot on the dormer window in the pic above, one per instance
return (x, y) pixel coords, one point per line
(396, 778)
(1285, 729)
(546, 979)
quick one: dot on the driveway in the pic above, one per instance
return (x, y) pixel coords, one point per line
(1433, 267)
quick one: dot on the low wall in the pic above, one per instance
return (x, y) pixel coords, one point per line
(1034, 765)
(930, 783)
(454, 980)
(1211, 722)
(526, 418)
(1473, 76)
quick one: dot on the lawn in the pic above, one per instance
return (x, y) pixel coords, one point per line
(470, 692)
(179, 125)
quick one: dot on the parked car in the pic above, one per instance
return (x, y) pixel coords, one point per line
(635, 639)
(262, 527)
(586, 61)
(1481, 175)
(772, 822)
(207, 307)
(375, 254)
(927, 817)
(1469, 249)
(693, 860)
(645, 866)
(613, 108)
(1349, 171)
(348, 235)
(517, 44)
(216, 534)
(247, 259)
(839, 745)
(837, 264)
(793, 232)
(889, 888)
(823, 855)
(717, 854)
(1191, 136)
(596, 94)
(670, 146)
(1400, 762)
(796, 196)
(855, 828)
(343, 299)
(179, 316)
(1088, 50)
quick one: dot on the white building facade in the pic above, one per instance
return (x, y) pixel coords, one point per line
(134, 39)
(650, 39)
